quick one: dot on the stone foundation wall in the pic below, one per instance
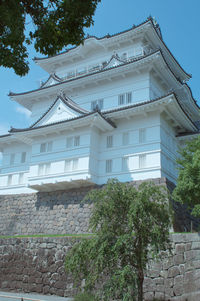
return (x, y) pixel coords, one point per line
(37, 265)
(50, 213)
(56, 212)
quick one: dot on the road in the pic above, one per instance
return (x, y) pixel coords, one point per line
(5, 296)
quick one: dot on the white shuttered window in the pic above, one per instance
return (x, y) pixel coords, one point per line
(108, 166)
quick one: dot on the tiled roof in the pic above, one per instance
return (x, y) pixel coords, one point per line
(103, 114)
(54, 76)
(149, 102)
(14, 130)
(97, 38)
(149, 19)
(68, 102)
(90, 74)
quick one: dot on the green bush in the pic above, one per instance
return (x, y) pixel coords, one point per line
(85, 297)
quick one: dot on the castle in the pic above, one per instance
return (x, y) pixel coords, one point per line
(115, 107)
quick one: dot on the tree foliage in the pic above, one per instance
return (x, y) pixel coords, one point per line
(55, 24)
(129, 225)
(188, 184)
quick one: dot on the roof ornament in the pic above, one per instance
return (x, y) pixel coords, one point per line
(154, 21)
(61, 93)
(115, 54)
(97, 109)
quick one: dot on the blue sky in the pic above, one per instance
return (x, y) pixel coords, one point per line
(180, 25)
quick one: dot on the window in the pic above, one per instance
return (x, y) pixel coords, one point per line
(40, 169)
(43, 147)
(67, 165)
(69, 142)
(71, 164)
(125, 163)
(23, 157)
(75, 164)
(12, 159)
(142, 161)
(97, 104)
(108, 166)
(129, 97)
(121, 99)
(47, 168)
(49, 146)
(142, 135)
(125, 138)
(44, 169)
(109, 142)
(76, 140)
(46, 147)
(9, 180)
(21, 178)
(73, 141)
(125, 98)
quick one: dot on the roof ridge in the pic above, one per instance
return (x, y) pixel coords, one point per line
(66, 101)
(88, 74)
(97, 38)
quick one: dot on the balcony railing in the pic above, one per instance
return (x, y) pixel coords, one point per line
(98, 67)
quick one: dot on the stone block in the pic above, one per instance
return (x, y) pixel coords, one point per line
(164, 273)
(195, 245)
(189, 255)
(153, 273)
(179, 248)
(189, 276)
(182, 268)
(178, 280)
(196, 264)
(188, 246)
(149, 296)
(46, 289)
(160, 296)
(158, 280)
(169, 282)
(160, 288)
(167, 263)
(179, 259)
(189, 265)
(173, 271)
(178, 289)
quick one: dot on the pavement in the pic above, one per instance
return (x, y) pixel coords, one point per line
(7, 296)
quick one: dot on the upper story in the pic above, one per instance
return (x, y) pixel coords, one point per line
(113, 107)
(129, 67)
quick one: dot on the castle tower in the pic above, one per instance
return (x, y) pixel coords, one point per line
(116, 107)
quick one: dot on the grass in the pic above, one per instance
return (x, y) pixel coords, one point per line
(63, 235)
(47, 235)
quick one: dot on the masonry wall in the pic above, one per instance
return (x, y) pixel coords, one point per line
(37, 265)
(55, 212)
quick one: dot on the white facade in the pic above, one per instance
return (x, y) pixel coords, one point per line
(112, 108)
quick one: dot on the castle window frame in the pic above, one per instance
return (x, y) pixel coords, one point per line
(109, 141)
(142, 161)
(125, 163)
(125, 138)
(23, 157)
(9, 180)
(109, 165)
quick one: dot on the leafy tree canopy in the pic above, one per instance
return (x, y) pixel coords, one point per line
(130, 225)
(55, 24)
(188, 184)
